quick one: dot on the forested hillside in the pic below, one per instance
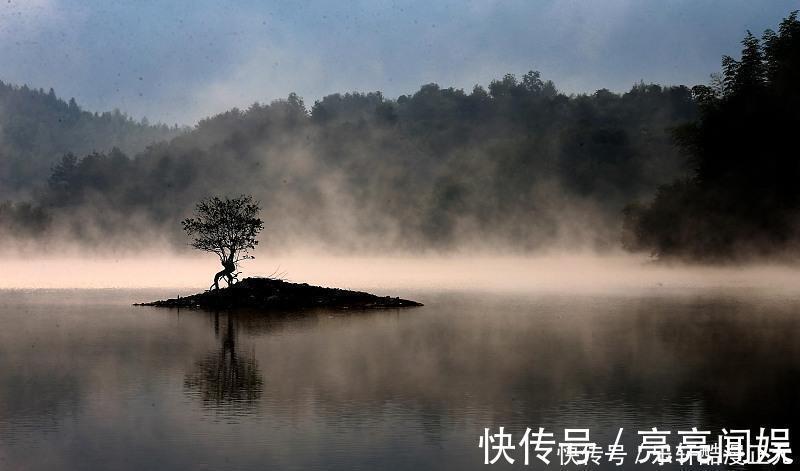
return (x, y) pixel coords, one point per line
(515, 163)
(37, 128)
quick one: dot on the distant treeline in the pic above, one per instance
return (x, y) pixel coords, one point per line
(742, 197)
(709, 173)
(516, 164)
(37, 128)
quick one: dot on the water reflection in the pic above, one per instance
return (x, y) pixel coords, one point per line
(226, 379)
(383, 390)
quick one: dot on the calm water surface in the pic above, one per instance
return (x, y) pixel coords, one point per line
(89, 382)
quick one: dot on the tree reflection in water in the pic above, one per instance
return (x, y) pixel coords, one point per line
(227, 379)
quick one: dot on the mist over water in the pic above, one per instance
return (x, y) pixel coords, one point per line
(604, 260)
(555, 272)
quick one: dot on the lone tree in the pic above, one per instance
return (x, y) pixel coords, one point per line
(227, 227)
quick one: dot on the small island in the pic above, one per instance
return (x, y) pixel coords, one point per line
(228, 227)
(272, 294)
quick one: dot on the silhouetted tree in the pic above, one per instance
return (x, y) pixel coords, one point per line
(228, 228)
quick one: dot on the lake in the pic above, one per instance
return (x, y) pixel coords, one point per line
(88, 381)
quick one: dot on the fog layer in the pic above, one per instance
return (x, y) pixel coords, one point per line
(398, 276)
(517, 164)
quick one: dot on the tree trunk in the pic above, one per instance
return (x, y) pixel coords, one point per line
(229, 267)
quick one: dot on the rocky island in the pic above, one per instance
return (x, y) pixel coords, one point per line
(227, 227)
(273, 294)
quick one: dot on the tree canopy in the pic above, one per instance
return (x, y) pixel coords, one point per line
(513, 164)
(741, 197)
(37, 128)
(226, 227)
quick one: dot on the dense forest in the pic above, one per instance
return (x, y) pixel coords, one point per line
(515, 164)
(742, 196)
(37, 128)
(707, 173)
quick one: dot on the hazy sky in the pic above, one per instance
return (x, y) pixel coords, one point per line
(177, 61)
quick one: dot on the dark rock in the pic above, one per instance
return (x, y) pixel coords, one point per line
(266, 293)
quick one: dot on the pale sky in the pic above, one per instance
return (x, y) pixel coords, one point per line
(181, 60)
